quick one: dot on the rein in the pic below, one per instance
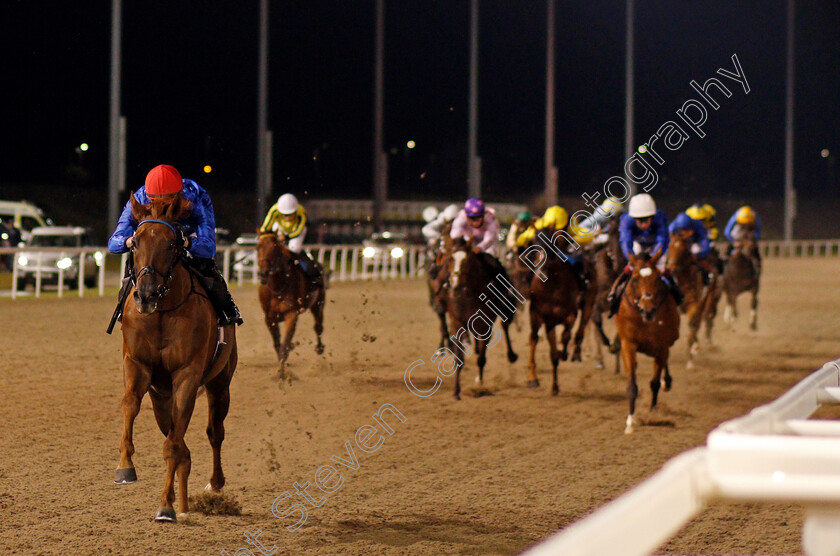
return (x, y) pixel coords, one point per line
(634, 304)
(167, 277)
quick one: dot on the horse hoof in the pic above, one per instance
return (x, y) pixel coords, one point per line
(599, 365)
(564, 356)
(512, 357)
(576, 358)
(630, 426)
(165, 515)
(689, 365)
(456, 397)
(209, 488)
(125, 476)
(534, 383)
(319, 349)
(695, 348)
(629, 429)
(555, 390)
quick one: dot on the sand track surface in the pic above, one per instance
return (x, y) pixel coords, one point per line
(491, 474)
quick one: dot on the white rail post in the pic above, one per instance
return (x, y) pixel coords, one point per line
(38, 276)
(102, 275)
(342, 275)
(14, 275)
(821, 531)
(81, 274)
(354, 258)
(226, 263)
(60, 277)
(333, 258)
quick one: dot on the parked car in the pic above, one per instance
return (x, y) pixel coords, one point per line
(49, 263)
(380, 248)
(23, 215)
(9, 237)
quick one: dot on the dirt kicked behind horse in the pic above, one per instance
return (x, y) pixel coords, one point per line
(648, 323)
(469, 278)
(742, 273)
(169, 339)
(285, 292)
(557, 301)
(689, 277)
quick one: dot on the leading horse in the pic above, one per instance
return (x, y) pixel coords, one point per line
(285, 292)
(649, 323)
(170, 349)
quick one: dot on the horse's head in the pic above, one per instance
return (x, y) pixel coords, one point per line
(157, 248)
(646, 291)
(460, 251)
(273, 257)
(679, 249)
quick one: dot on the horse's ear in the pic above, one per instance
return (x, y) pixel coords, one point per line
(655, 258)
(139, 211)
(634, 262)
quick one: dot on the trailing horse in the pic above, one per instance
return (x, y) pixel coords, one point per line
(648, 323)
(741, 274)
(608, 261)
(556, 299)
(285, 292)
(469, 281)
(171, 347)
(689, 276)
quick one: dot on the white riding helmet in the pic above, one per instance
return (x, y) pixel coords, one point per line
(450, 212)
(642, 206)
(287, 204)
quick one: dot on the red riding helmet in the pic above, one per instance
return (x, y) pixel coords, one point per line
(163, 180)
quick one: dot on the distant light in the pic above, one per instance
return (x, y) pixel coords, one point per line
(824, 153)
(208, 169)
(369, 252)
(642, 149)
(397, 252)
(64, 263)
(411, 144)
(84, 147)
(386, 235)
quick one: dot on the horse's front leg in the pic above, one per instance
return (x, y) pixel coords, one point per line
(481, 361)
(218, 402)
(585, 316)
(175, 452)
(628, 357)
(137, 379)
(695, 316)
(272, 321)
(289, 325)
(551, 337)
(660, 365)
(754, 309)
(318, 314)
(536, 322)
(511, 355)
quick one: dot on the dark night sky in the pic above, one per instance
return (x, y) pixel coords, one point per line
(190, 79)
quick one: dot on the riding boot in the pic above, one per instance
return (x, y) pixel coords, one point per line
(614, 297)
(217, 292)
(673, 288)
(125, 285)
(311, 269)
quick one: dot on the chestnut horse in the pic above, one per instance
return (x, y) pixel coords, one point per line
(170, 349)
(437, 298)
(556, 300)
(689, 277)
(285, 292)
(608, 261)
(648, 322)
(742, 273)
(469, 278)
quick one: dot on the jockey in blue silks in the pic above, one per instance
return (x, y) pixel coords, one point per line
(699, 238)
(643, 229)
(198, 229)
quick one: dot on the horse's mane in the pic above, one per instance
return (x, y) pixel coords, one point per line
(169, 209)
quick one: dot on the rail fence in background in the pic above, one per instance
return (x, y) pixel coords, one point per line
(344, 262)
(237, 263)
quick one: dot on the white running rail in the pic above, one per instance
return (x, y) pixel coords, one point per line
(773, 454)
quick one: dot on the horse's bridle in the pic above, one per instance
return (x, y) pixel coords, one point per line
(178, 248)
(635, 304)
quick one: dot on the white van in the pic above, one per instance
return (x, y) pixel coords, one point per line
(22, 215)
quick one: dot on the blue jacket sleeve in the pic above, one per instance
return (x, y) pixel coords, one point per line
(660, 220)
(701, 237)
(729, 225)
(625, 235)
(757, 227)
(203, 239)
(125, 229)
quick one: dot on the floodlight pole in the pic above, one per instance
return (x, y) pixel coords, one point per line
(473, 162)
(628, 91)
(116, 143)
(790, 192)
(263, 187)
(380, 162)
(550, 170)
